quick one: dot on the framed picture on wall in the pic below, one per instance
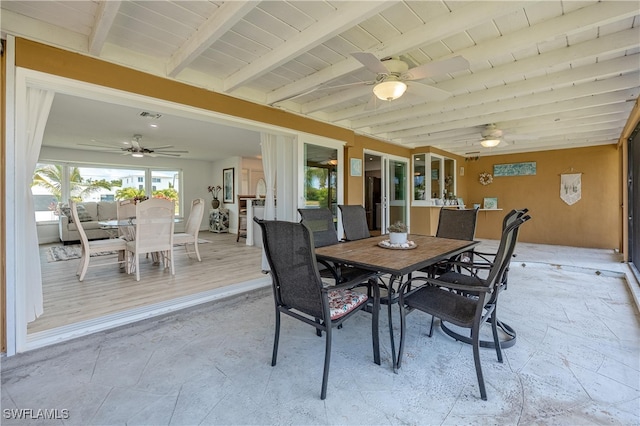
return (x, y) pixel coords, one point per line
(356, 167)
(228, 190)
(490, 203)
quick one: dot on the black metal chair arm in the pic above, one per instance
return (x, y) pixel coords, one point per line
(365, 280)
(480, 287)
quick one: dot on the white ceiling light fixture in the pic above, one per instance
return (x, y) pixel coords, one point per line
(390, 89)
(490, 143)
(491, 136)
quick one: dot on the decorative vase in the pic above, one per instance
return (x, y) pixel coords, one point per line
(397, 237)
(215, 203)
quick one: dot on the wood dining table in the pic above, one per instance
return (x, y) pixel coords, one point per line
(396, 262)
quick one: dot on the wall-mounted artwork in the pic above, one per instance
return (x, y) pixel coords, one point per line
(228, 185)
(515, 169)
(490, 203)
(356, 167)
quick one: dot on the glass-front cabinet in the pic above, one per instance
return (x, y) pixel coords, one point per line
(434, 179)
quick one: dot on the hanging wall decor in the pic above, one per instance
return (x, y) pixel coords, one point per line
(515, 169)
(485, 178)
(571, 187)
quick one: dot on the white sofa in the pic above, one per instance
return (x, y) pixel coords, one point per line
(90, 213)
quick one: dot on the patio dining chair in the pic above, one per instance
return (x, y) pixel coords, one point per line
(466, 299)
(484, 261)
(354, 222)
(299, 292)
(320, 222)
(95, 247)
(457, 224)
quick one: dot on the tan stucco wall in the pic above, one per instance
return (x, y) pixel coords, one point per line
(594, 221)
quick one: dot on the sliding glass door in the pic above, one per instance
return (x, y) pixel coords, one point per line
(397, 191)
(386, 190)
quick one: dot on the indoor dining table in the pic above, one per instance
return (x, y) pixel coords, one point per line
(128, 226)
(397, 262)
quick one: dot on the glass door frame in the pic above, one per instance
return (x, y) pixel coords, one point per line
(327, 143)
(384, 186)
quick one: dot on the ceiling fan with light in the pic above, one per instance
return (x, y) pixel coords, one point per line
(394, 76)
(492, 136)
(135, 149)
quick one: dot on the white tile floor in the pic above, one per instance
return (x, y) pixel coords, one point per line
(576, 361)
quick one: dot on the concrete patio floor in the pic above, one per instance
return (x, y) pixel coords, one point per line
(576, 361)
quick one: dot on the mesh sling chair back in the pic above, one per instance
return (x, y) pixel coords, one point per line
(458, 224)
(463, 299)
(354, 222)
(320, 222)
(299, 292)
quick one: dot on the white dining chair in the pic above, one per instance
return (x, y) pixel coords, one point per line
(192, 228)
(125, 209)
(153, 233)
(95, 247)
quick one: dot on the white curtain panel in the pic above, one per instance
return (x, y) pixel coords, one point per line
(38, 106)
(287, 181)
(269, 145)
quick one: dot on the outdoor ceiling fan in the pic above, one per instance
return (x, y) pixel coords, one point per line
(135, 149)
(493, 136)
(394, 77)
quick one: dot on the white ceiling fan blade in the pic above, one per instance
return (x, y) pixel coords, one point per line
(161, 151)
(323, 87)
(101, 146)
(166, 154)
(428, 93)
(159, 147)
(445, 66)
(370, 61)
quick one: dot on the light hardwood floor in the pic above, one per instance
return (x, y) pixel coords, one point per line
(106, 290)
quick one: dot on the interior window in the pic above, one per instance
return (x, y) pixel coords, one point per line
(54, 184)
(321, 177)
